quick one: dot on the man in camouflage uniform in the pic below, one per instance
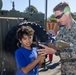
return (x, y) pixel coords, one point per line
(66, 33)
(68, 55)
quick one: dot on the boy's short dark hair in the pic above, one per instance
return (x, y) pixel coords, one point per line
(61, 6)
(24, 30)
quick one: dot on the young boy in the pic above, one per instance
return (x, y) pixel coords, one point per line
(26, 56)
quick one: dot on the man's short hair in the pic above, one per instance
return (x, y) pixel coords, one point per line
(61, 6)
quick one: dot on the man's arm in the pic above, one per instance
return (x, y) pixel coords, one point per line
(46, 50)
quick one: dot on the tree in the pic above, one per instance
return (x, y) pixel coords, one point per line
(52, 18)
(74, 15)
(31, 9)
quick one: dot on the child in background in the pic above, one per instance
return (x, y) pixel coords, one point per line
(52, 39)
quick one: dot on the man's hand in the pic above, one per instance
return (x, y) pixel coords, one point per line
(46, 50)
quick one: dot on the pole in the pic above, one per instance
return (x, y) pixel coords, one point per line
(29, 5)
(45, 13)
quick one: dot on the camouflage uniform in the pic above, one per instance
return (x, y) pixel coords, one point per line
(68, 55)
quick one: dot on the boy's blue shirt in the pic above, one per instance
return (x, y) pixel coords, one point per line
(24, 57)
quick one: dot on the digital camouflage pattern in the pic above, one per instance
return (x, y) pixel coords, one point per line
(68, 55)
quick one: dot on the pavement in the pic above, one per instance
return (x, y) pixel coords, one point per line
(53, 68)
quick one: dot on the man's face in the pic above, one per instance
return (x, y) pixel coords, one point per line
(61, 17)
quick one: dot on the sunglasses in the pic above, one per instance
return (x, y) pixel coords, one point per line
(59, 16)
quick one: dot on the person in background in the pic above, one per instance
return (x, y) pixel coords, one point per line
(26, 56)
(52, 39)
(67, 33)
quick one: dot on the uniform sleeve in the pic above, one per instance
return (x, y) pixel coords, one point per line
(73, 39)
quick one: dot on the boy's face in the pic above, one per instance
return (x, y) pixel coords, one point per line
(26, 41)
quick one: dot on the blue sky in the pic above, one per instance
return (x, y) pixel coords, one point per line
(20, 5)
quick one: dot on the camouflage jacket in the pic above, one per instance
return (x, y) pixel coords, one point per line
(68, 35)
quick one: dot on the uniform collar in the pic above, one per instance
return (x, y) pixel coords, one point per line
(71, 24)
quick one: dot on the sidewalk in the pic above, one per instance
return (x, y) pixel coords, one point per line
(53, 68)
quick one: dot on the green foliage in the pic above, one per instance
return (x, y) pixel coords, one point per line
(74, 15)
(31, 9)
(52, 18)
